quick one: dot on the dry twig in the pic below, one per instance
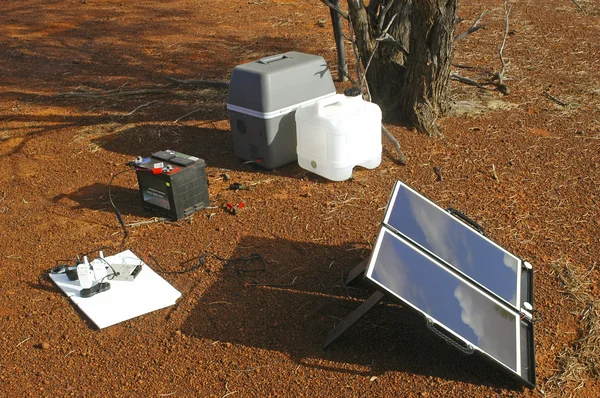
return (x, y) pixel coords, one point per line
(559, 102)
(140, 107)
(188, 114)
(112, 93)
(501, 86)
(494, 173)
(473, 28)
(578, 6)
(27, 339)
(395, 143)
(229, 392)
(206, 83)
(466, 80)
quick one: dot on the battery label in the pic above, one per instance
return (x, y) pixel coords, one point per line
(156, 197)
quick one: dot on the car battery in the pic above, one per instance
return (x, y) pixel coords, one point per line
(261, 103)
(172, 184)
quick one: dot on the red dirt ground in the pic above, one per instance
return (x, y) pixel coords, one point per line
(226, 337)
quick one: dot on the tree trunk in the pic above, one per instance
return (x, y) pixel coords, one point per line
(407, 46)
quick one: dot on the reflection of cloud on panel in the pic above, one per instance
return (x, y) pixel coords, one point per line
(391, 271)
(510, 262)
(395, 274)
(493, 325)
(438, 231)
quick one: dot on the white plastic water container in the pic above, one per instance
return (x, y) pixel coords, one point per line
(336, 133)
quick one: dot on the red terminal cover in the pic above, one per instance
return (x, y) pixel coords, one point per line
(173, 171)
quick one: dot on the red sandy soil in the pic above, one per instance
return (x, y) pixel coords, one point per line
(524, 166)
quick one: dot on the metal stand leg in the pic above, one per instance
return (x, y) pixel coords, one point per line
(336, 21)
(353, 317)
(357, 271)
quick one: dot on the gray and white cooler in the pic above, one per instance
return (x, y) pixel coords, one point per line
(261, 103)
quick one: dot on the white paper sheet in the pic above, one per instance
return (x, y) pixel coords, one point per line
(126, 299)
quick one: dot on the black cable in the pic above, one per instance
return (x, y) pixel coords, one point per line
(80, 256)
(117, 212)
(228, 263)
(114, 273)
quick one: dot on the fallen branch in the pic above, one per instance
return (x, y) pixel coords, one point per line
(151, 221)
(140, 107)
(500, 76)
(470, 67)
(187, 114)
(91, 94)
(473, 28)
(394, 141)
(578, 6)
(206, 83)
(466, 80)
(559, 102)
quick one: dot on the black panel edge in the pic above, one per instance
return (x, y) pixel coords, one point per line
(529, 377)
(466, 220)
(526, 286)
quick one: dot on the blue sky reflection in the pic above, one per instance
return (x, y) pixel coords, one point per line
(415, 278)
(455, 243)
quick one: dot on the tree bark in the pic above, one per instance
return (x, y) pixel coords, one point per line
(407, 45)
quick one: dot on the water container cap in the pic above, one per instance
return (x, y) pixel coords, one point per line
(352, 92)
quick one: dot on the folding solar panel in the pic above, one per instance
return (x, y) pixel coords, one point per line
(453, 305)
(473, 293)
(458, 245)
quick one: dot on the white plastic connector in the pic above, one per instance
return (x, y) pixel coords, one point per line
(527, 306)
(99, 268)
(86, 278)
(527, 265)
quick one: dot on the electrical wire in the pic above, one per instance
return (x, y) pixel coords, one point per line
(117, 212)
(229, 263)
(114, 273)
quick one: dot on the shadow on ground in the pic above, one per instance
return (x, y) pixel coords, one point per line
(95, 197)
(292, 305)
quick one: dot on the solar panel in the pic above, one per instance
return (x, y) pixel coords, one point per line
(473, 293)
(451, 302)
(455, 243)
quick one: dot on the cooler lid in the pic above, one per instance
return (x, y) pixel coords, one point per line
(279, 82)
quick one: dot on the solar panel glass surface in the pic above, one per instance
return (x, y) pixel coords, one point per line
(451, 301)
(454, 242)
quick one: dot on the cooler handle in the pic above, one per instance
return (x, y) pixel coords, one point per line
(272, 58)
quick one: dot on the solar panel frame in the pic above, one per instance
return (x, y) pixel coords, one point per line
(524, 363)
(520, 294)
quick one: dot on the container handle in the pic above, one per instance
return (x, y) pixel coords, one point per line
(462, 216)
(321, 104)
(272, 58)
